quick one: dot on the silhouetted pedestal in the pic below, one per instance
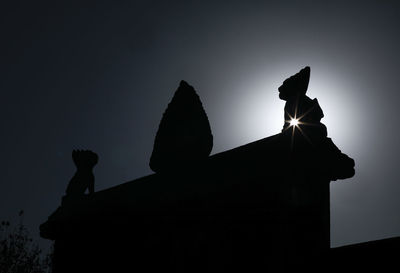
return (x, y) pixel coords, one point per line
(257, 207)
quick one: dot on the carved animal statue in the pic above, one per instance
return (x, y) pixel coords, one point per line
(300, 107)
(83, 179)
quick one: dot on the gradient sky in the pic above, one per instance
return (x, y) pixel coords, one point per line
(99, 76)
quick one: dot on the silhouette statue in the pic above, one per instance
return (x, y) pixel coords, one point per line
(308, 129)
(299, 107)
(83, 179)
(184, 134)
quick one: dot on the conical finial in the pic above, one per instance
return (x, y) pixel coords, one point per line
(184, 134)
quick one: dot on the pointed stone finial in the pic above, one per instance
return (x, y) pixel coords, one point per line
(184, 135)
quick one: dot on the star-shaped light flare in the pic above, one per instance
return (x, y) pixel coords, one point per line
(295, 122)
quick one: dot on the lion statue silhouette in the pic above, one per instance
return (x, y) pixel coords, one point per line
(83, 178)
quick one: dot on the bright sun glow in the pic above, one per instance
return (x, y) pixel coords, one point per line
(294, 122)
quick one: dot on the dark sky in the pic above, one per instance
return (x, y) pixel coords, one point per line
(99, 76)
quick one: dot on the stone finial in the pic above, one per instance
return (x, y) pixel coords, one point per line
(184, 134)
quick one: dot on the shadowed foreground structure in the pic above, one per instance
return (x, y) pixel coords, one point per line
(261, 207)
